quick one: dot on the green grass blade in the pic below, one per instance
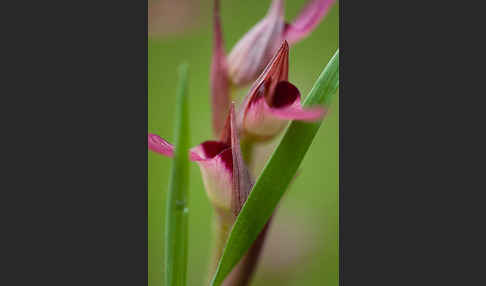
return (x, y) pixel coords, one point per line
(177, 196)
(276, 175)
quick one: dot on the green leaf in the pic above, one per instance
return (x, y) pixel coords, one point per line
(177, 196)
(276, 175)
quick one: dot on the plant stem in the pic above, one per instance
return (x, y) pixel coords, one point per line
(242, 273)
(222, 223)
(176, 225)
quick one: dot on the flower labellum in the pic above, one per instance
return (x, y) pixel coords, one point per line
(225, 176)
(254, 50)
(272, 101)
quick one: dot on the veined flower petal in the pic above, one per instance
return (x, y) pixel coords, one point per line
(277, 70)
(242, 182)
(307, 20)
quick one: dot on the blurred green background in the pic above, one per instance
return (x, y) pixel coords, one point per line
(302, 246)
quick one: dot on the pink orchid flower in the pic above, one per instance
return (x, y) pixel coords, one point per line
(226, 178)
(254, 50)
(272, 101)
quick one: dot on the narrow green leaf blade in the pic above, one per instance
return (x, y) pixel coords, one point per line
(276, 175)
(177, 196)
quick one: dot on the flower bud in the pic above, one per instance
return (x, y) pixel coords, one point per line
(252, 52)
(255, 49)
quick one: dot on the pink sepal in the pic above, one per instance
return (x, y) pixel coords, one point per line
(307, 20)
(159, 145)
(220, 82)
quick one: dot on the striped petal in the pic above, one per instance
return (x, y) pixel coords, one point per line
(242, 182)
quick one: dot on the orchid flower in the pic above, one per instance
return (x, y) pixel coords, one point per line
(254, 50)
(272, 101)
(226, 178)
(227, 182)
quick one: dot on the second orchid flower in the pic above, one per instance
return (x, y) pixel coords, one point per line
(255, 49)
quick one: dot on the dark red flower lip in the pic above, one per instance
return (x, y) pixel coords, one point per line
(213, 149)
(285, 94)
